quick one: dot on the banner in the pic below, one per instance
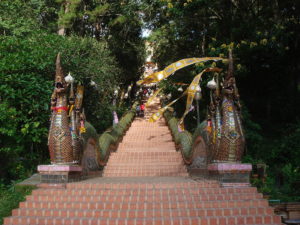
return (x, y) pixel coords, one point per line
(79, 96)
(159, 113)
(152, 97)
(158, 76)
(191, 91)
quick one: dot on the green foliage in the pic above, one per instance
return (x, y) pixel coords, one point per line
(98, 11)
(20, 17)
(26, 87)
(10, 196)
(265, 43)
(17, 18)
(118, 24)
(289, 188)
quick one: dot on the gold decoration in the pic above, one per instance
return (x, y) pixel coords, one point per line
(191, 90)
(79, 97)
(158, 76)
(159, 113)
(152, 97)
(70, 110)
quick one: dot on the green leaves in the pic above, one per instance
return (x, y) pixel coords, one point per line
(99, 11)
(15, 18)
(118, 21)
(7, 120)
(27, 68)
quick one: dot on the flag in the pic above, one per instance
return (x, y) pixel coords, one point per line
(191, 91)
(158, 76)
(159, 113)
(152, 97)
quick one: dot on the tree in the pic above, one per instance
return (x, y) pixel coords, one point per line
(264, 36)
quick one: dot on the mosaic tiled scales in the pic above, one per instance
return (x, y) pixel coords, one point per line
(60, 142)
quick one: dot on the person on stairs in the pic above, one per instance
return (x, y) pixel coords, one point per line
(138, 110)
(142, 110)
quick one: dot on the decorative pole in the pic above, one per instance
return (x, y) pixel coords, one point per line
(74, 122)
(197, 98)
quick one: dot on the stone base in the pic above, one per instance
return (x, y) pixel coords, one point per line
(230, 174)
(59, 174)
(197, 172)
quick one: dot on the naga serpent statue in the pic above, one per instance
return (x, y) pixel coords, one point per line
(221, 137)
(72, 140)
(64, 143)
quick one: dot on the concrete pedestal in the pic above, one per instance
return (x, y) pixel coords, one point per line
(59, 174)
(230, 174)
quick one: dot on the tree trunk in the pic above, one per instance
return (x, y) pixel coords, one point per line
(62, 29)
(203, 41)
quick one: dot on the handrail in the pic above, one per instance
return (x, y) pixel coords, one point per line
(183, 140)
(108, 141)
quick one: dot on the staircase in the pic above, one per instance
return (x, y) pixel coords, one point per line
(145, 182)
(142, 201)
(146, 150)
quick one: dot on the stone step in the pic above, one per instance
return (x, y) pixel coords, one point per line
(145, 205)
(169, 186)
(141, 198)
(140, 150)
(145, 146)
(149, 152)
(145, 174)
(143, 166)
(152, 161)
(162, 141)
(134, 168)
(155, 130)
(145, 154)
(234, 220)
(94, 190)
(173, 156)
(161, 137)
(85, 213)
(131, 164)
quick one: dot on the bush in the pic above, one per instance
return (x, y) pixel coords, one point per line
(26, 87)
(10, 196)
